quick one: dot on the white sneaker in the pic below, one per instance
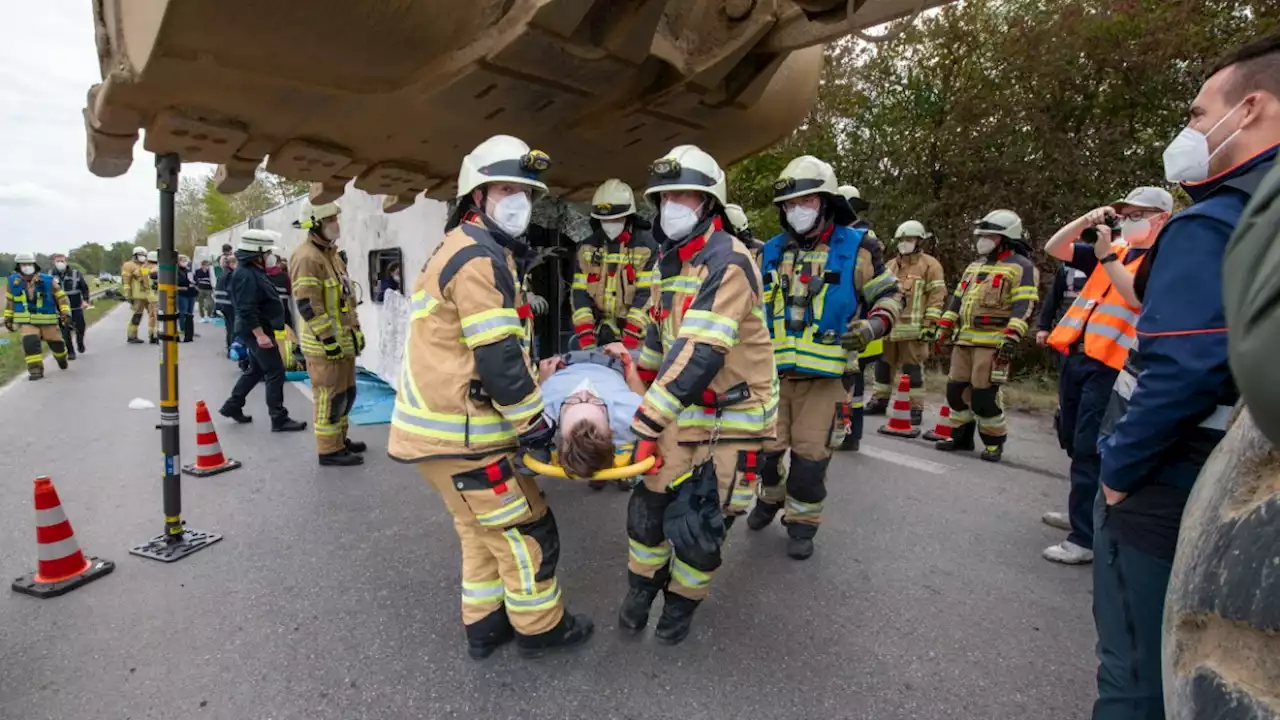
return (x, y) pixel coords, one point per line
(1068, 553)
(1057, 519)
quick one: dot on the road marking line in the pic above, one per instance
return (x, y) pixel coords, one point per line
(906, 460)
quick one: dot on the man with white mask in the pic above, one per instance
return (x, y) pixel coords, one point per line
(1172, 401)
(591, 395)
(615, 273)
(1094, 337)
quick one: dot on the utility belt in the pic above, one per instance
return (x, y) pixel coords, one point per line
(594, 357)
(715, 402)
(986, 322)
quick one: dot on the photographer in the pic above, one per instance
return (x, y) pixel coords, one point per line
(1095, 336)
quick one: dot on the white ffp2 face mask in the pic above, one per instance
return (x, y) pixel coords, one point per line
(512, 213)
(1138, 233)
(1187, 157)
(906, 247)
(27, 269)
(677, 220)
(60, 266)
(802, 219)
(613, 228)
(272, 261)
(985, 245)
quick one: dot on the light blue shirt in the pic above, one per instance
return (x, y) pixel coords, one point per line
(619, 400)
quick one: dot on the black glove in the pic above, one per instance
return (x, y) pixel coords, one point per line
(332, 349)
(357, 339)
(8, 324)
(693, 521)
(1008, 348)
(537, 440)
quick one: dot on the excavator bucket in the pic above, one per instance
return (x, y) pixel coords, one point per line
(392, 93)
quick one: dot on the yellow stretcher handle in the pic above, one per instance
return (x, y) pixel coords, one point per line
(620, 470)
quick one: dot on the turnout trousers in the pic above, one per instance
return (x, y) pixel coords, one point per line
(510, 544)
(807, 413)
(33, 339)
(333, 382)
(904, 357)
(650, 560)
(973, 396)
(138, 307)
(1128, 608)
(1084, 389)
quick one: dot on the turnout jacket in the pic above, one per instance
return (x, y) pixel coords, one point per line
(322, 292)
(994, 300)
(924, 291)
(613, 284)
(135, 280)
(708, 344)
(467, 387)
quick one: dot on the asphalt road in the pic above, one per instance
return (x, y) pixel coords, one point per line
(335, 592)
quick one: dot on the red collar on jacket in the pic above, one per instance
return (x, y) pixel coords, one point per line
(694, 246)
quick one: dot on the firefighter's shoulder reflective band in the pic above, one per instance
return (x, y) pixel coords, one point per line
(1126, 383)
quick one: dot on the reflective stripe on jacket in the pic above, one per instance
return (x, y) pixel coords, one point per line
(465, 301)
(708, 338)
(994, 300)
(924, 292)
(613, 282)
(135, 280)
(1100, 314)
(37, 301)
(322, 293)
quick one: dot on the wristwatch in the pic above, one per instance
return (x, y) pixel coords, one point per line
(1110, 258)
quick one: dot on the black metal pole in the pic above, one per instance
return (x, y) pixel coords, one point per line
(167, 168)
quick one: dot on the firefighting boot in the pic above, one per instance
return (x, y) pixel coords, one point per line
(62, 362)
(800, 540)
(676, 620)
(155, 339)
(917, 416)
(133, 341)
(489, 634)
(355, 446)
(961, 439)
(596, 485)
(572, 632)
(993, 447)
(762, 514)
(341, 458)
(634, 613)
(877, 406)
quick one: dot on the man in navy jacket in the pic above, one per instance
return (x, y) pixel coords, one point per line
(1176, 394)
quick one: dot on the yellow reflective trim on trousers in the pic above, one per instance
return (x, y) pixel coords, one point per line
(798, 509)
(688, 575)
(503, 516)
(648, 555)
(484, 592)
(35, 359)
(536, 601)
(524, 560)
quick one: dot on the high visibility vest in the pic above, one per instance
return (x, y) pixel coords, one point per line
(41, 308)
(1102, 317)
(826, 276)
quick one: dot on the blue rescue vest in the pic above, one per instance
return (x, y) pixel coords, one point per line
(814, 348)
(44, 311)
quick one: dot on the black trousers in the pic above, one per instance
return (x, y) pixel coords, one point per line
(229, 318)
(266, 366)
(76, 328)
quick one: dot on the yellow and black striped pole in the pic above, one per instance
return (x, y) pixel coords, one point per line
(177, 541)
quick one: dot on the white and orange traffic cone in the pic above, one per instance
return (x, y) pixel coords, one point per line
(941, 431)
(900, 412)
(209, 457)
(60, 565)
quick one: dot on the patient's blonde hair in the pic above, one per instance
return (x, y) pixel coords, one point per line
(585, 449)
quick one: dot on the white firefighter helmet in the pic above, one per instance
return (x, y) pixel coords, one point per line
(502, 158)
(1000, 222)
(310, 216)
(911, 229)
(737, 218)
(686, 167)
(138, 250)
(258, 241)
(613, 200)
(854, 196)
(805, 175)
(25, 258)
(153, 256)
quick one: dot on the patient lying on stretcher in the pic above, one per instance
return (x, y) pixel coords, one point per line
(592, 395)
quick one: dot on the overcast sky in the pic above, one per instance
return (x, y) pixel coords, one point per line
(48, 199)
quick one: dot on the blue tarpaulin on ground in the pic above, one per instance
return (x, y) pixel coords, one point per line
(374, 398)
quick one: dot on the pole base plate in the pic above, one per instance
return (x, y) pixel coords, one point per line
(171, 548)
(886, 430)
(206, 472)
(27, 584)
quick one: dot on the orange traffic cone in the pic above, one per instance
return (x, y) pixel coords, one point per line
(60, 566)
(900, 412)
(209, 457)
(942, 430)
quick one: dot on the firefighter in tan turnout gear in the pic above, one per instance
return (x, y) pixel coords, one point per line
(331, 337)
(135, 284)
(711, 400)
(38, 306)
(924, 292)
(986, 318)
(826, 298)
(468, 402)
(615, 276)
